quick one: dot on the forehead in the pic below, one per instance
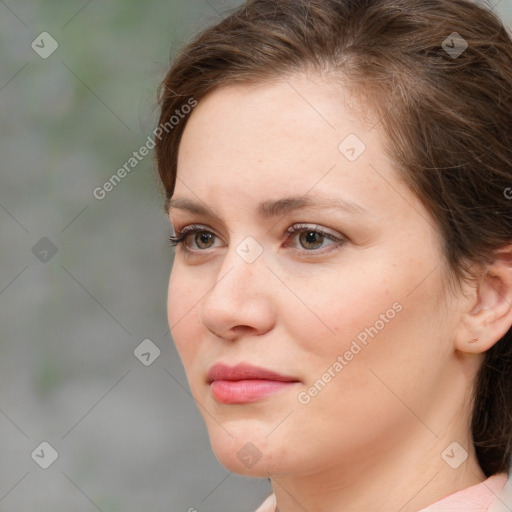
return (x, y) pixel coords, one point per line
(298, 108)
(298, 135)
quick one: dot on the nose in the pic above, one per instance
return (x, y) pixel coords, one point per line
(240, 300)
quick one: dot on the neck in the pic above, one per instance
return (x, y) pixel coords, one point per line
(402, 470)
(396, 483)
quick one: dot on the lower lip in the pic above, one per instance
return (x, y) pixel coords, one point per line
(243, 391)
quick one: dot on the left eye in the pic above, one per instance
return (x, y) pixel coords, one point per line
(312, 238)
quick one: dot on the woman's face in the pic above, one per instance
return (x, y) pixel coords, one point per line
(353, 316)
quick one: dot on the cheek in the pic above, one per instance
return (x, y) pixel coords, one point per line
(173, 304)
(182, 315)
(342, 304)
(370, 318)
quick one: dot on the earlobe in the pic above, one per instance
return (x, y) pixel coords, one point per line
(490, 317)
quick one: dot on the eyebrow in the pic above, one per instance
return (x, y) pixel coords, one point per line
(274, 208)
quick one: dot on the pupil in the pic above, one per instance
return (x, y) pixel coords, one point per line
(311, 237)
(204, 237)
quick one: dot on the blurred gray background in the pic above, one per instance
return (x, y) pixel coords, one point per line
(83, 281)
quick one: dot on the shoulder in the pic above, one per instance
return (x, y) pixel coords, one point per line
(491, 493)
(269, 505)
(477, 498)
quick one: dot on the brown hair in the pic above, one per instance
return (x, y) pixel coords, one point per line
(447, 120)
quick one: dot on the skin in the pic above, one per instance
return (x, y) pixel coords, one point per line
(372, 438)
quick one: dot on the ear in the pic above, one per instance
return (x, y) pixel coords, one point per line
(489, 314)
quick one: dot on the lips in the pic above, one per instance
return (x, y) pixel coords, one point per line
(244, 371)
(245, 383)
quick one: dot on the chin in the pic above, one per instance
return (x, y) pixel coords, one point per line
(248, 455)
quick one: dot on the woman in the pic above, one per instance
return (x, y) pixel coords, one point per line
(338, 174)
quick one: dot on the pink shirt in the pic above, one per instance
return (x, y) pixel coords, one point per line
(477, 498)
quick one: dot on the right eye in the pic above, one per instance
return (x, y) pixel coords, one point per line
(202, 237)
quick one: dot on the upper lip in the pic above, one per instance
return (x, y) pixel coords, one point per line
(242, 371)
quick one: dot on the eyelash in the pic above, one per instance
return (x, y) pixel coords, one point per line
(182, 235)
